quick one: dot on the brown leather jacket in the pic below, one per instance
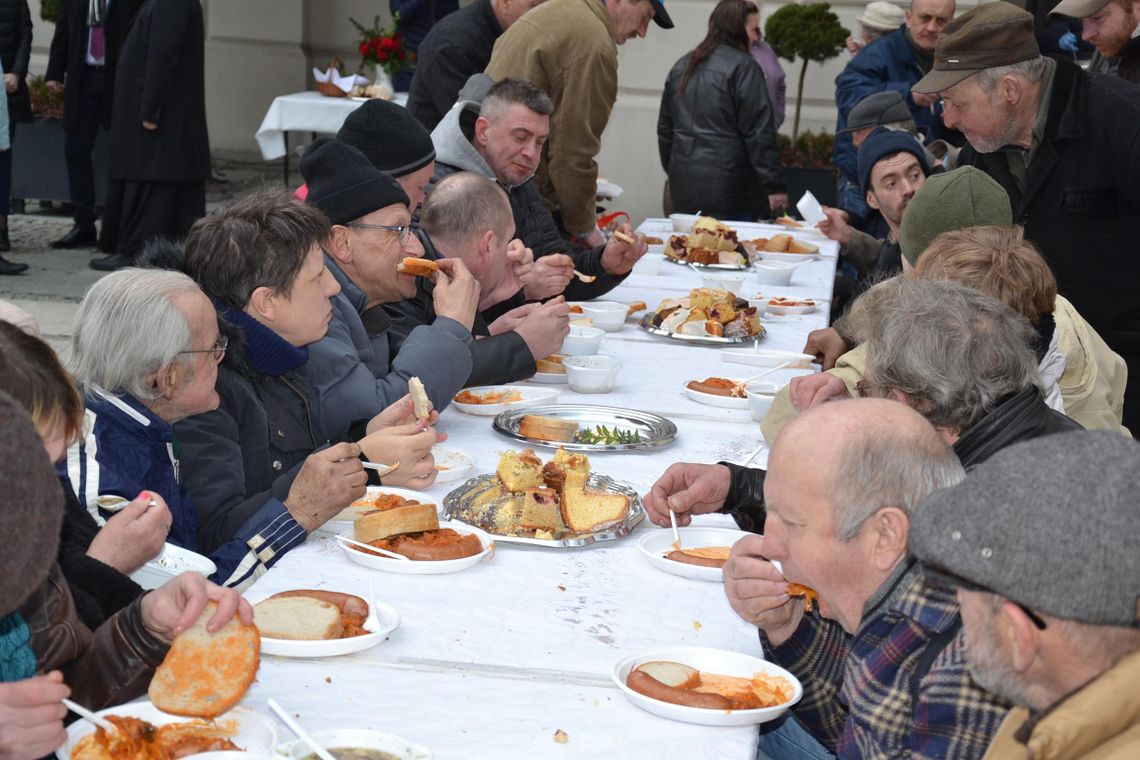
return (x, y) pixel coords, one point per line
(107, 667)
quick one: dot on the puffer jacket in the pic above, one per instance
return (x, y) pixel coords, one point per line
(717, 137)
(1092, 385)
(1099, 721)
(15, 50)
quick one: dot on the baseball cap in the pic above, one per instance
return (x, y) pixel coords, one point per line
(883, 143)
(877, 109)
(1049, 523)
(882, 16)
(660, 15)
(990, 35)
(1078, 8)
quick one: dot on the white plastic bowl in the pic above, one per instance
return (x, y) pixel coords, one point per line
(683, 222)
(774, 272)
(172, 561)
(592, 374)
(722, 281)
(582, 341)
(760, 397)
(607, 315)
(650, 263)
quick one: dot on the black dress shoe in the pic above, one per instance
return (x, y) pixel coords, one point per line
(11, 267)
(76, 237)
(111, 263)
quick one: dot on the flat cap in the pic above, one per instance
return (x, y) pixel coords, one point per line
(954, 200)
(987, 36)
(1078, 8)
(1050, 523)
(877, 109)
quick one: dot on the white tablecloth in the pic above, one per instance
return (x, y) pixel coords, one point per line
(304, 112)
(489, 662)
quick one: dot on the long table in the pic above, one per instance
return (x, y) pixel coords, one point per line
(491, 661)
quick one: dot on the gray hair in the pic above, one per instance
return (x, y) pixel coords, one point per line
(882, 466)
(1031, 70)
(955, 352)
(511, 91)
(128, 327)
(462, 206)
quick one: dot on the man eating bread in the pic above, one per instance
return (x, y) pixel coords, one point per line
(356, 369)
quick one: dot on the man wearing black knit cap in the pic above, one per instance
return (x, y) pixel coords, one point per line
(353, 369)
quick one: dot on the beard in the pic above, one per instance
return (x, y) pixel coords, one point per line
(1005, 134)
(991, 670)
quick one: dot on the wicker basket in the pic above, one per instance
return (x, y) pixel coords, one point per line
(328, 88)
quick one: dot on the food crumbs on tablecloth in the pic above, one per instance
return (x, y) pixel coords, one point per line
(561, 737)
(696, 625)
(328, 679)
(561, 587)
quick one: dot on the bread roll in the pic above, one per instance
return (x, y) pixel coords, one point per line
(410, 518)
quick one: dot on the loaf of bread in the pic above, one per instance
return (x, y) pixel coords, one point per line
(382, 523)
(547, 428)
(586, 510)
(298, 618)
(205, 674)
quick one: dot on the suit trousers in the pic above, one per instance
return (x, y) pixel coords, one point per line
(79, 145)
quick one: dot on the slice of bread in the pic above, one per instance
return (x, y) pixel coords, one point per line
(421, 404)
(540, 510)
(547, 428)
(382, 523)
(519, 470)
(299, 618)
(586, 510)
(673, 674)
(554, 471)
(551, 364)
(205, 674)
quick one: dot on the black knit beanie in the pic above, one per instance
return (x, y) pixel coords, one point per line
(33, 507)
(343, 184)
(394, 141)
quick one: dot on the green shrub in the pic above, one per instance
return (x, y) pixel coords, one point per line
(811, 32)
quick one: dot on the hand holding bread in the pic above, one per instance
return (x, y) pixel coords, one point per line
(410, 445)
(174, 606)
(623, 250)
(687, 489)
(757, 591)
(329, 480)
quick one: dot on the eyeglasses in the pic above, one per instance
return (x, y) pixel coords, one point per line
(401, 230)
(938, 578)
(218, 349)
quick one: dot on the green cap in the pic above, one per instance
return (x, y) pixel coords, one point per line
(955, 200)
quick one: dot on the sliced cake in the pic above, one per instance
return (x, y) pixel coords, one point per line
(587, 510)
(540, 510)
(554, 471)
(519, 470)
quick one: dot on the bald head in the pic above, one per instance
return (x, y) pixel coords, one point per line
(461, 208)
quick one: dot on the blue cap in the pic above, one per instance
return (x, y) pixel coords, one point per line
(882, 143)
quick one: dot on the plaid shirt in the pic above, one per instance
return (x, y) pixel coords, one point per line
(857, 688)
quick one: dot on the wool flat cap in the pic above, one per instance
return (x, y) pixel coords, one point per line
(33, 507)
(877, 109)
(392, 139)
(987, 36)
(343, 184)
(883, 143)
(882, 16)
(955, 200)
(1051, 523)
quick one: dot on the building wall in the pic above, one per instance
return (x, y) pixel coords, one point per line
(257, 49)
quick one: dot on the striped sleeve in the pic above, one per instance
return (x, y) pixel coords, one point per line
(260, 542)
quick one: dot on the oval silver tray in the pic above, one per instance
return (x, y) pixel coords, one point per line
(457, 506)
(656, 431)
(729, 267)
(646, 324)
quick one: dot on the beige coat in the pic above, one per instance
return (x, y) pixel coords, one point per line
(1100, 721)
(567, 48)
(1092, 385)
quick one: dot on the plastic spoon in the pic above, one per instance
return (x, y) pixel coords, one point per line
(90, 717)
(300, 733)
(372, 548)
(676, 532)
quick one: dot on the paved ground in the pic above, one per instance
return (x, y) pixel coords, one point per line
(56, 280)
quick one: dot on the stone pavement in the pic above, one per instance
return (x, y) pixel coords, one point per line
(56, 280)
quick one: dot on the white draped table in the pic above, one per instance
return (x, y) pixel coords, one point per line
(489, 662)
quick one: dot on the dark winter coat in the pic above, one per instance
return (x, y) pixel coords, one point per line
(1128, 62)
(717, 138)
(15, 49)
(416, 19)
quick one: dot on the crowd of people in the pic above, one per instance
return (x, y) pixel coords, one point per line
(966, 514)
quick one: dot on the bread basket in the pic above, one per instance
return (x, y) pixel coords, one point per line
(328, 88)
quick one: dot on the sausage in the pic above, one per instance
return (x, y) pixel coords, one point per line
(680, 556)
(645, 684)
(714, 389)
(346, 603)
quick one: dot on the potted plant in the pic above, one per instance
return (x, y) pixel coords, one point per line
(382, 49)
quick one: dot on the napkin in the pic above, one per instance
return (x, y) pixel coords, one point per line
(341, 82)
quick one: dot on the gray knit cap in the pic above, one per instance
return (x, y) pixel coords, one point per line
(33, 507)
(958, 199)
(1052, 523)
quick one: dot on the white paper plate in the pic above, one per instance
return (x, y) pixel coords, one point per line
(381, 621)
(255, 732)
(549, 378)
(344, 520)
(707, 660)
(413, 567)
(657, 544)
(530, 397)
(451, 464)
(797, 258)
(783, 310)
(711, 399)
(766, 358)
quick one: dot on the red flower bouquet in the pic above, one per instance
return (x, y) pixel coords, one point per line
(383, 46)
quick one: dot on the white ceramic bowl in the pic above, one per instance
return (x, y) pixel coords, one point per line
(683, 222)
(582, 341)
(173, 561)
(721, 281)
(356, 738)
(760, 397)
(650, 263)
(774, 272)
(607, 315)
(592, 374)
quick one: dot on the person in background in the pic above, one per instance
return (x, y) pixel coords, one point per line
(457, 47)
(716, 132)
(1056, 632)
(1113, 27)
(568, 48)
(415, 20)
(775, 81)
(879, 18)
(15, 50)
(84, 52)
(159, 145)
(6, 266)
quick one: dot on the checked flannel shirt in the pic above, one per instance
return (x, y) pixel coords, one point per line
(858, 688)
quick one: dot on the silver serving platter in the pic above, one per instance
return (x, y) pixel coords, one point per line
(729, 267)
(656, 431)
(707, 340)
(457, 506)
